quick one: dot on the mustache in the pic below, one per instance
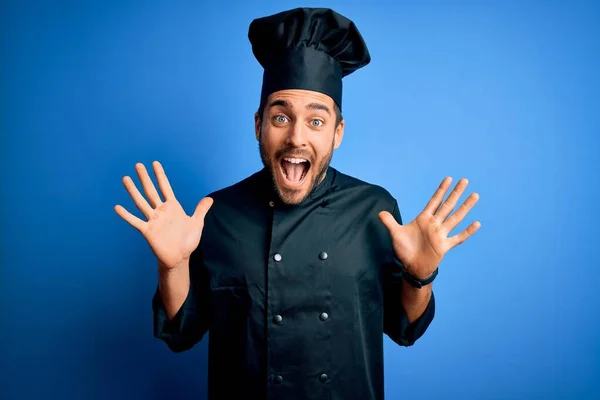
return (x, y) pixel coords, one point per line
(293, 152)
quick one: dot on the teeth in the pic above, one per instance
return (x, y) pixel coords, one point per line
(295, 160)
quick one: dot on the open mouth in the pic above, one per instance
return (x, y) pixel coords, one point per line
(294, 170)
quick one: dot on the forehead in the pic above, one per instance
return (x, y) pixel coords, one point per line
(300, 98)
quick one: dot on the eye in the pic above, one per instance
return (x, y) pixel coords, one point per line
(317, 123)
(279, 118)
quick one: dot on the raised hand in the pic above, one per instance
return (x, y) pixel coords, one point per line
(170, 232)
(422, 244)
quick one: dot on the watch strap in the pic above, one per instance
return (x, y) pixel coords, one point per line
(413, 281)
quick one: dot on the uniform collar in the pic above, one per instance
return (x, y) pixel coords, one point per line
(325, 184)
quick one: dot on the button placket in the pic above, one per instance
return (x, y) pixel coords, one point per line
(324, 316)
(274, 273)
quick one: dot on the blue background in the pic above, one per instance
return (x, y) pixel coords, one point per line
(504, 93)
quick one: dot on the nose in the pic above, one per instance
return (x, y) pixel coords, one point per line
(296, 135)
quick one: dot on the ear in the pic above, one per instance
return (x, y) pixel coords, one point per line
(257, 124)
(338, 135)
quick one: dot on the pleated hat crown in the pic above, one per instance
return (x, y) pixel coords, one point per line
(307, 48)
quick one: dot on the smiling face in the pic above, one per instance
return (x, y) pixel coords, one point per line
(297, 134)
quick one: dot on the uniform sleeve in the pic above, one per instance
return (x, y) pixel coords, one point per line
(190, 324)
(395, 320)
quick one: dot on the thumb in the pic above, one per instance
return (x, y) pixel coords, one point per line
(202, 208)
(388, 220)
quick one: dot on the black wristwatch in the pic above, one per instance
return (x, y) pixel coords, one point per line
(418, 283)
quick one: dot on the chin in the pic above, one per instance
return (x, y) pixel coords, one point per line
(292, 198)
(292, 192)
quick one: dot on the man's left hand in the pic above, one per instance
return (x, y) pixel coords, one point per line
(422, 244)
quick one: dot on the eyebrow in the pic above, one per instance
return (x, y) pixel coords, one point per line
(282, 103)
(318, 106)
(311, 106)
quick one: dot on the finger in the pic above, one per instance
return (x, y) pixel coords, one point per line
(460, 214)
(448, 205)
(388, 220)
(148, 186)
(202, 208)
(163, 182)
(130, 218)
(464, 235)
(438, 196)
(137, 197)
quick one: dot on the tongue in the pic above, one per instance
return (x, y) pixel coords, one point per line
(293, 171)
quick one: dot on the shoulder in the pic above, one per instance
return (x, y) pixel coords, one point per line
(367, 190)
(240, 190)
(243, 198)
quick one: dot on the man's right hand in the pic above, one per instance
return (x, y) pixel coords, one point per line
(170, 232)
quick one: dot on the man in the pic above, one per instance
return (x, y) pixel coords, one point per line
(298, 270)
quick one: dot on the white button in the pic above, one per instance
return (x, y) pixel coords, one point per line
(277, 257)
(271, 203)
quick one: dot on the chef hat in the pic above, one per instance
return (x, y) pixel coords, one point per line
(307, 48)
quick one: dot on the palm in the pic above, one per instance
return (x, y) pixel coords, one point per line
(422, 244)
(170, 232)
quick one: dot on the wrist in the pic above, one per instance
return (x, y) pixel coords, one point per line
(174, 287)
(174, 277)
(164, 269)
(416, 281)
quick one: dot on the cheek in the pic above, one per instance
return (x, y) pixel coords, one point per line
(271, 140)
(324, 147)
(267, 144)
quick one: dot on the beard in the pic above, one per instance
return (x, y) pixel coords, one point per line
(319, 167)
